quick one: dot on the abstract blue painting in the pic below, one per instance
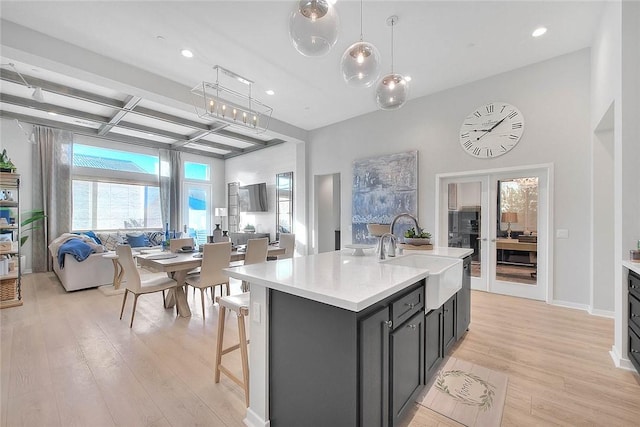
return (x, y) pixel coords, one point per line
(382, 188)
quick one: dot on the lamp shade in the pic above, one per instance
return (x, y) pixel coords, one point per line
(360, 64)
(392, 92)
(220, 211)
(510, 217)
(313, 27)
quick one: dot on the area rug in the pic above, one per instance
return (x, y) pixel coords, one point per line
(467, 393)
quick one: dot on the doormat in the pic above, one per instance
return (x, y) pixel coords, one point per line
(467, 393)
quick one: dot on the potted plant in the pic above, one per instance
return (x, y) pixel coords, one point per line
(420, 237)
(30, 221)
(6, 165)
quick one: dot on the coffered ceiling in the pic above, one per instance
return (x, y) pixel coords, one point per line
(114, 69)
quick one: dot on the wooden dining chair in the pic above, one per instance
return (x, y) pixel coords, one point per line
(134, 284)
(256, 253)
(215, 257)
(288, 243)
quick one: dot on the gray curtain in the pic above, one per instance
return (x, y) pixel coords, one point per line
(171, 173)
(51, 190)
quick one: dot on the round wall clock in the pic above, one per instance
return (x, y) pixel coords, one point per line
(491, 130)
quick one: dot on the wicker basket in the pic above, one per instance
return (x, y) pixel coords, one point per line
(8, 289)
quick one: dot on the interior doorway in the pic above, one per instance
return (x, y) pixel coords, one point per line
(327, 212)
(503, 215)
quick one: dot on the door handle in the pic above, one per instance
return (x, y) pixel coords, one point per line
(484, 239)
(388, 323)
(493, 240)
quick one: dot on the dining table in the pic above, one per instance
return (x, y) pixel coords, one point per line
(177, 265)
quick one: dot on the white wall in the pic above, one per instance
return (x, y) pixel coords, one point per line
(20, 151)
(554, 98)
(615, 69)
(262, 166)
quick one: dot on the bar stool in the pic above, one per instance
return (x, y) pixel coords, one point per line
(240, 305)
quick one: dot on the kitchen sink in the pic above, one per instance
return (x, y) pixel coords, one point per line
(445, 276)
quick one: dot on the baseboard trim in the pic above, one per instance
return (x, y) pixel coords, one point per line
(620, 361)
(568, 304)
(254, 420)
(602, 313)
(592, 311)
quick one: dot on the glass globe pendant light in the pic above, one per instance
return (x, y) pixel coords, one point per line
(360, 62)
(313, 27)
(392, 91)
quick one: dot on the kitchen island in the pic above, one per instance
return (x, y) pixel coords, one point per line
(325, 332)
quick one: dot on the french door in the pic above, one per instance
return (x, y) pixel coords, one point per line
(503, 216)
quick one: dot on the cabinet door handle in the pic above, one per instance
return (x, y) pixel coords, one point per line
(634, 351)
(634, 287)
(635, 315)
(411, 326)
(388, 323)
(409, 304)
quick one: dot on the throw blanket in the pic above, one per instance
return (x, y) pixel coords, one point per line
(76, 248)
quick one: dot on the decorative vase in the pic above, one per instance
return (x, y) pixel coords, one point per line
(217, 234)
(225, 237)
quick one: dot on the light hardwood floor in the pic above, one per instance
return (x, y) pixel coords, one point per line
(67, 360)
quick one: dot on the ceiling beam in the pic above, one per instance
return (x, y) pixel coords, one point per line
(61, 89)
(247, 150)
(81, 130)
(129, 105)
(50, 108)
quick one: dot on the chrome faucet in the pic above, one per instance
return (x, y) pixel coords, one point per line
(392, 246)
(393, 223)
(408, 215)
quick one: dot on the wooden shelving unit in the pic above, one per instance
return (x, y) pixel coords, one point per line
(10, 281)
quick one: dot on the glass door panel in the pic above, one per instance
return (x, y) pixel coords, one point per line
(465, 222)
(515, 234)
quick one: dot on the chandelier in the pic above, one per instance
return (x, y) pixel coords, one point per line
(231, 104)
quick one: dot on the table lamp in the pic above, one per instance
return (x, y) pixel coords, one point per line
(509, 217)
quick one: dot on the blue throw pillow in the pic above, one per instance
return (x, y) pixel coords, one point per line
(89, 234)
(137, 240)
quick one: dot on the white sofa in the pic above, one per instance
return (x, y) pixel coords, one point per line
(93, 271)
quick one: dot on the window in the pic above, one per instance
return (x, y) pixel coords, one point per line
(114, 189)
(198, 200)
(284, 207)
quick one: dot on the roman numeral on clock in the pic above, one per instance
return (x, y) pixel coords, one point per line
(477, 114)
(513, 137)
(476, 151)
(489, 108)
(464, 135)
(468, 144)
(489, 152)
(512, 114)
(516, 125)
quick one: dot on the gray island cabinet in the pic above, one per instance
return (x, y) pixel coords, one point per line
(348, 341)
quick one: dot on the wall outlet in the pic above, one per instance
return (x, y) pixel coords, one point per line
(562, 233)
(255, 312)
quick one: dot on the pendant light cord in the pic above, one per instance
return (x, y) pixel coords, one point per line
(392, 24)
(361, 20)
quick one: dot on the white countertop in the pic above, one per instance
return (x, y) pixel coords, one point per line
(633, 266)
(444, 251)
(339, 278)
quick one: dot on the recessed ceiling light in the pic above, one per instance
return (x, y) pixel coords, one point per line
(186, 53)
(51, 113)
(538, 32)
(269, 92)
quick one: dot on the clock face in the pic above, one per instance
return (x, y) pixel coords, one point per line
(491, 130)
